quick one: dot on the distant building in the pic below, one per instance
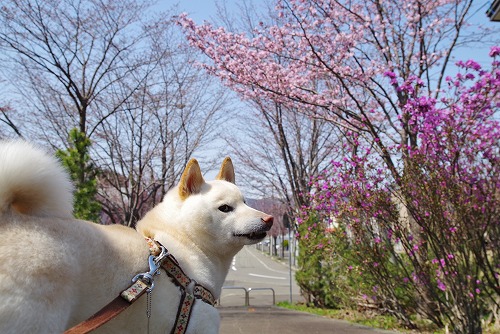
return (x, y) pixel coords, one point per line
(494, 11)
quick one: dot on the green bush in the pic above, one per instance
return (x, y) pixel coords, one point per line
(336, 271)
(323, 273)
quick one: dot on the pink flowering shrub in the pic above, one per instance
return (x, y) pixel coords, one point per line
(432, 236)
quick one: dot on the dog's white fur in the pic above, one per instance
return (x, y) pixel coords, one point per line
(56, 271)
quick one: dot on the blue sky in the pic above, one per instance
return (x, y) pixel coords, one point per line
(201, 10)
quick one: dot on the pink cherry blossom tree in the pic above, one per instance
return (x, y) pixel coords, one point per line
(331, 57)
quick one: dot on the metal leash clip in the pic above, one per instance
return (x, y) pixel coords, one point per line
(154, 269)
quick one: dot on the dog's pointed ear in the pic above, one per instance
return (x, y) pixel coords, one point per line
(226, 172)
(191, 180)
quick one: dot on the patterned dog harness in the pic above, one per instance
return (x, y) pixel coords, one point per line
(190, 289)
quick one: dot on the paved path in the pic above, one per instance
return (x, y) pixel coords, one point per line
(271, 320)
(252, 269)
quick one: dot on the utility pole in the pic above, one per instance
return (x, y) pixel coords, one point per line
(286, 224)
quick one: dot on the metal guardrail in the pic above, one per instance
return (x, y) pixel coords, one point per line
(256, 289)
(247, 293)
(236, 288)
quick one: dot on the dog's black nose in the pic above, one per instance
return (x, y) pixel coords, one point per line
(268, 220)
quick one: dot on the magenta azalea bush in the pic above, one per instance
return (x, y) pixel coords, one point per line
(429, 242)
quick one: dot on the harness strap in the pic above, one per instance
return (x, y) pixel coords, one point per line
(175, 272)
(178, 276)
(190, 289)
(183, 313)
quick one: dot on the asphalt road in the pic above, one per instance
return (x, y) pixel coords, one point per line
(252, 269)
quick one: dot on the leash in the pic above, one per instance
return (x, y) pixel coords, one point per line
(144, 283)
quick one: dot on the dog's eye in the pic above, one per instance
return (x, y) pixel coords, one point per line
(226, 208)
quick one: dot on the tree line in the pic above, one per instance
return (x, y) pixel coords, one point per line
(111, 85)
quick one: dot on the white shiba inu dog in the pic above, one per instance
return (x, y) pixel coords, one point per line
(57, 271)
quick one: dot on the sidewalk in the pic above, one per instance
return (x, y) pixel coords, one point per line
(271, 320)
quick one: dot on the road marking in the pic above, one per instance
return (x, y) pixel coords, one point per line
(270, 269)
(265, 276)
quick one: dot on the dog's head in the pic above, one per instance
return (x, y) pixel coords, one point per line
(215, 212)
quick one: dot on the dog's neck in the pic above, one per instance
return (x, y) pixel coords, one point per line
(208, 270)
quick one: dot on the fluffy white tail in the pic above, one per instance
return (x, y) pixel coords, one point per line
(33, 182)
